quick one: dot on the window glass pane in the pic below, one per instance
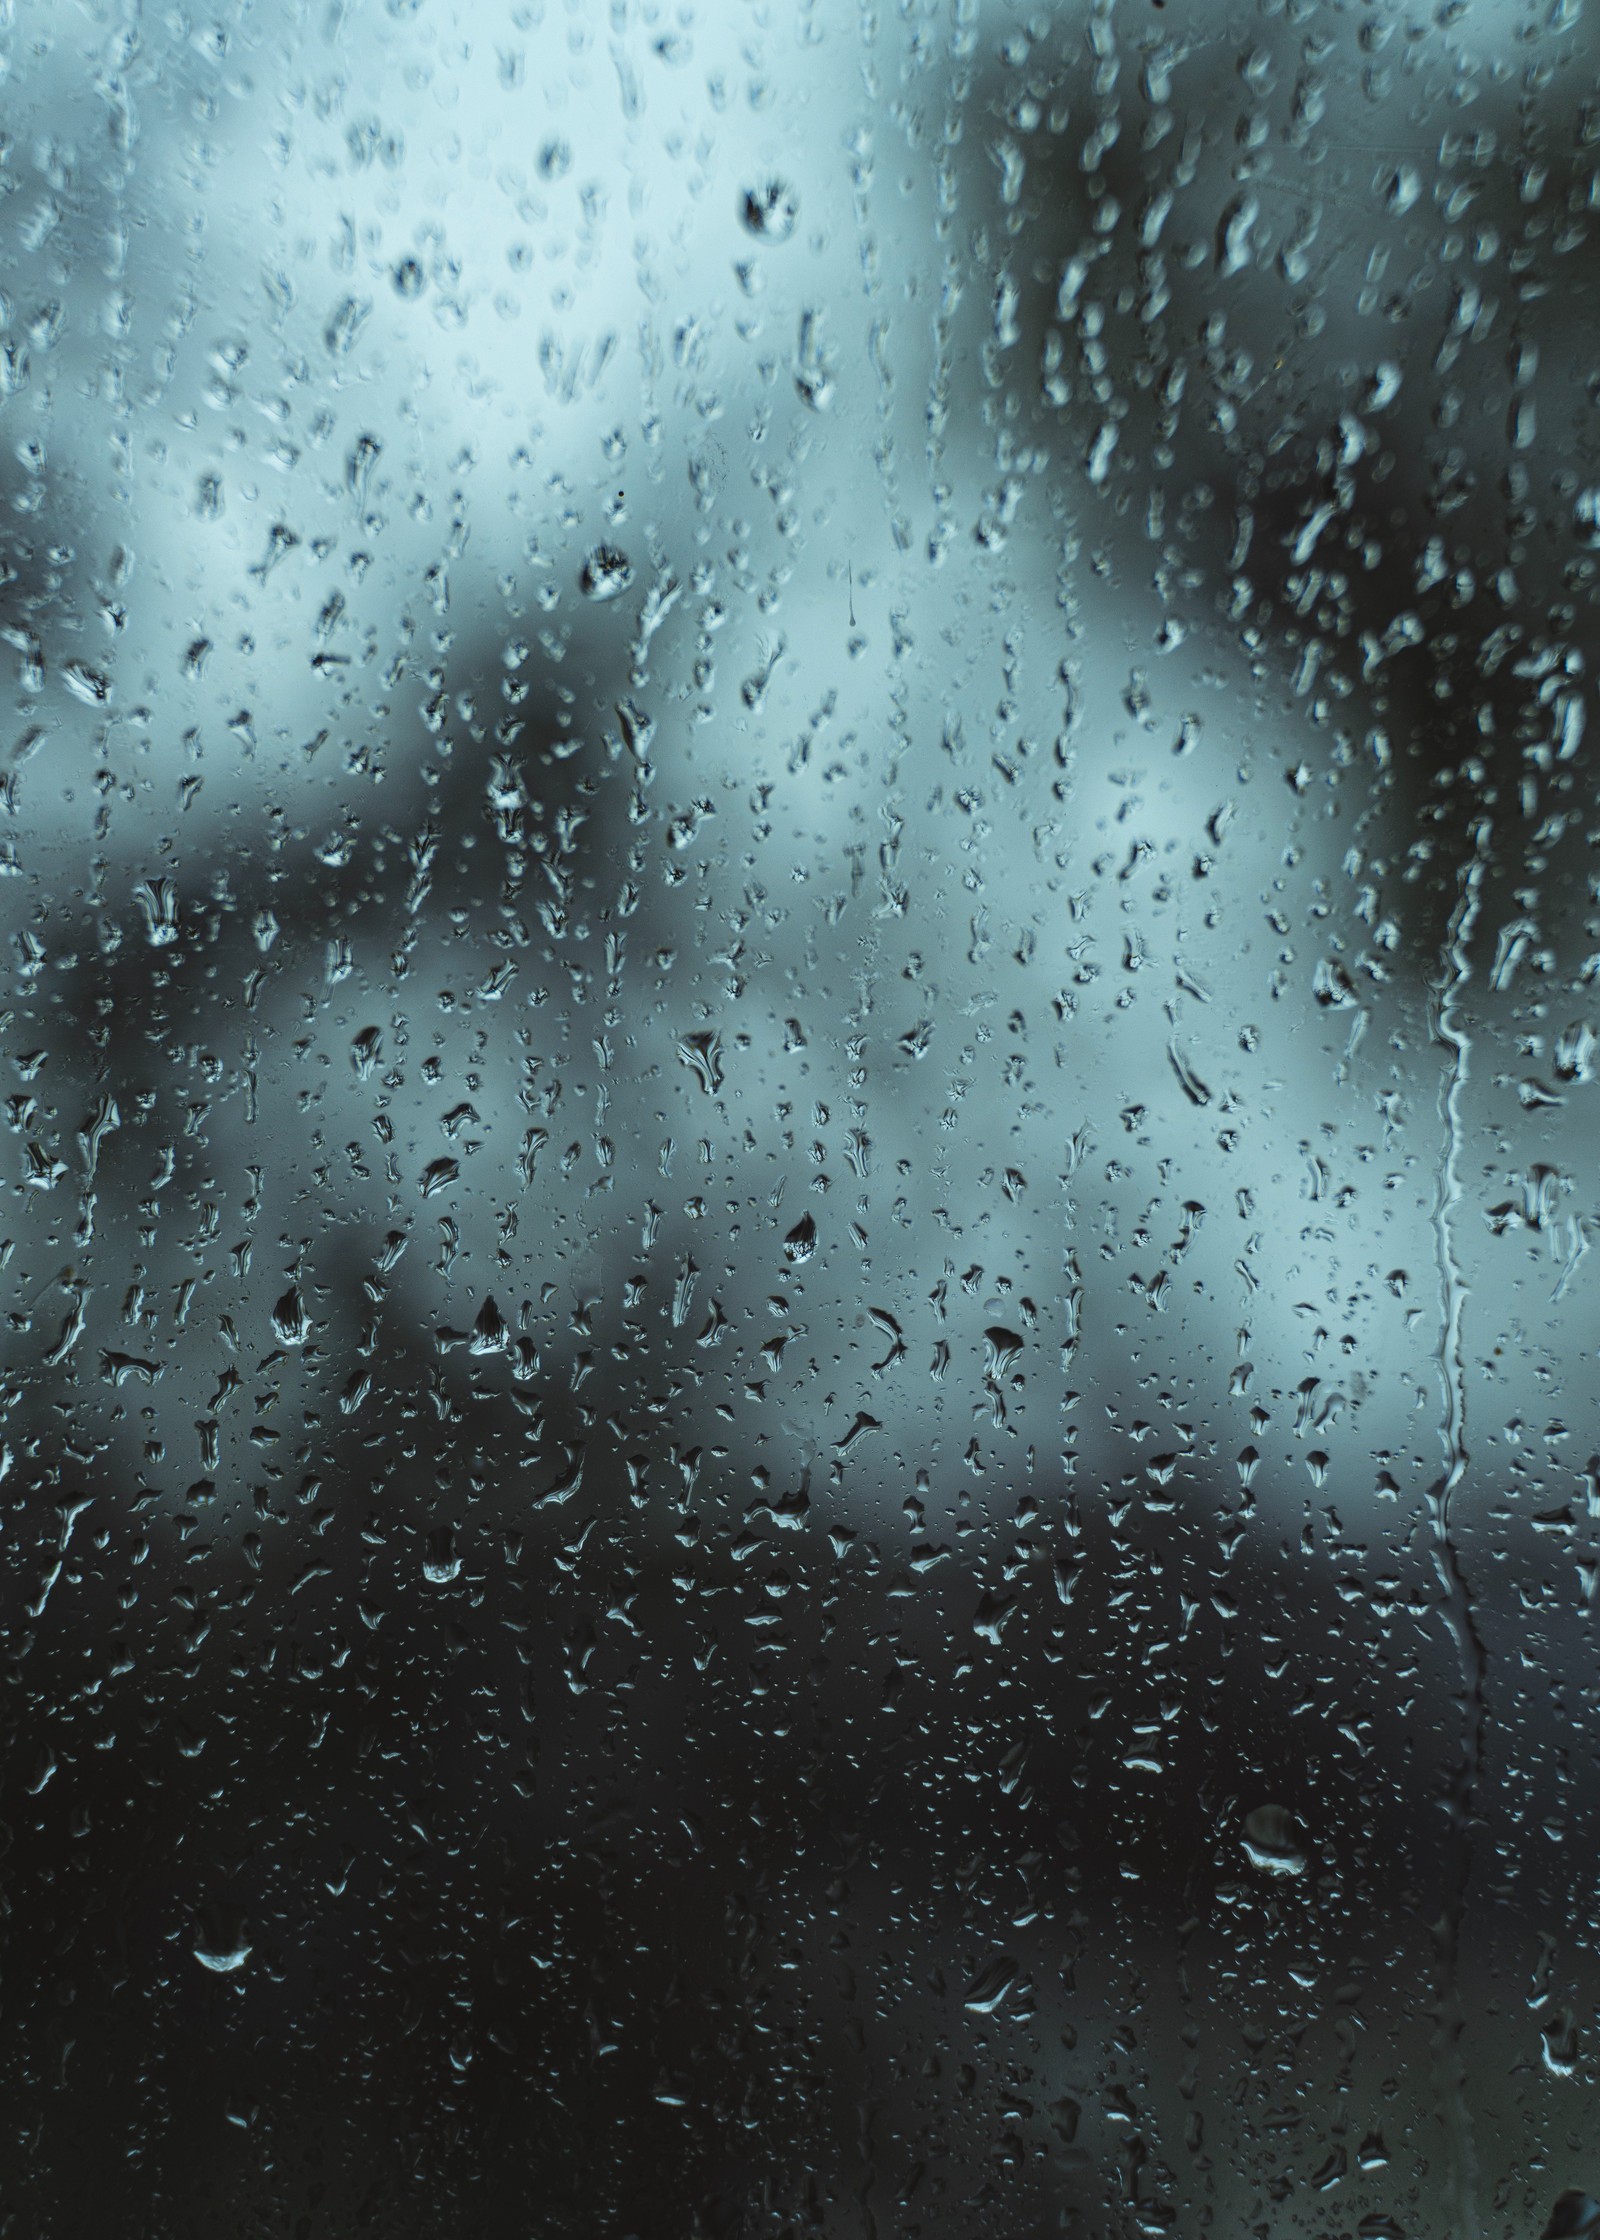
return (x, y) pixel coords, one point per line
(800, 953)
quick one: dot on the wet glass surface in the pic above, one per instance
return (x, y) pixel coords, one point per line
(800, 949)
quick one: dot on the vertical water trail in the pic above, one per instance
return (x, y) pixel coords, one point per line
(1457, 1604)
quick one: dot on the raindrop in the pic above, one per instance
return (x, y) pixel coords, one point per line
(441, 1562)
(1404, 190)
(1272, 1841)
(990, 1985)
(606, 573)
(489, 1333)
(771, 210)
(223, 1957)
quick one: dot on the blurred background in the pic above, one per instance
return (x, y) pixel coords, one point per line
(800, 982)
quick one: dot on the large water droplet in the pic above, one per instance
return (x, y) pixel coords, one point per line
(1272, 1841)
(223, 1956)
(606, 573)
(771, 211)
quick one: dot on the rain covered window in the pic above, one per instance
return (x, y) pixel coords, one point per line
(801, 966)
